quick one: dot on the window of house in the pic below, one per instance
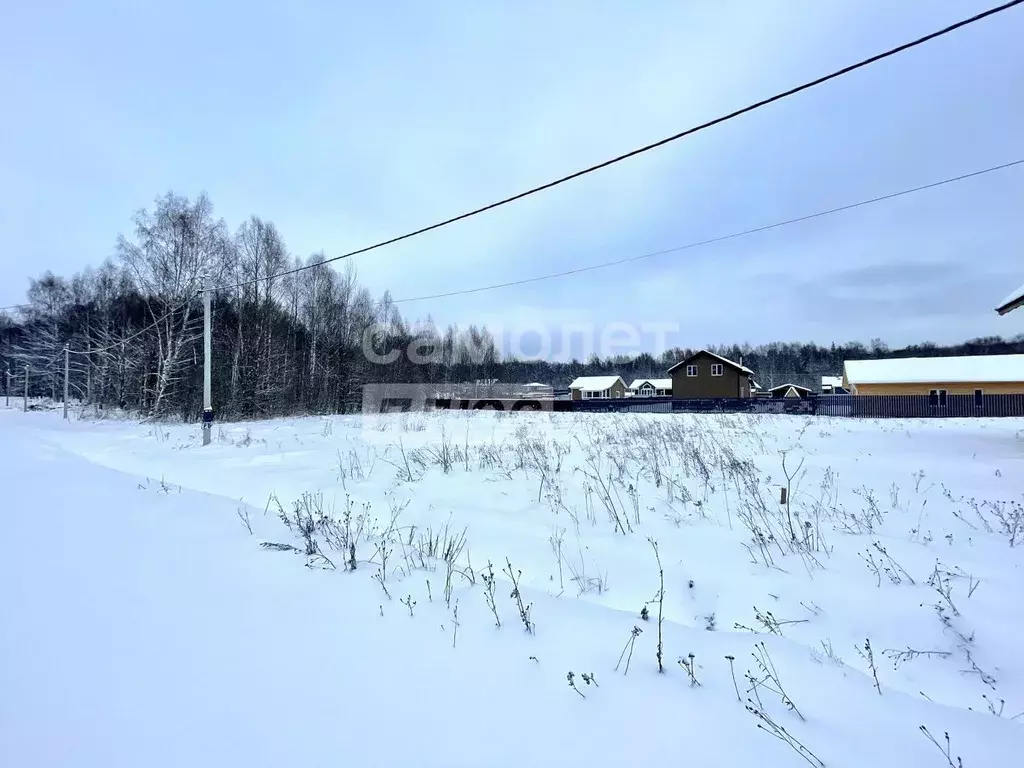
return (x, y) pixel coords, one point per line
(717, 369)
(691, 370)
(937, 398)
(979, 398)
(646, 390)
(662, 392)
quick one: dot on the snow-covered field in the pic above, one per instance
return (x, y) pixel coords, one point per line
(145, 624)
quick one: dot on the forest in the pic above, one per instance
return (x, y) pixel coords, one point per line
(292, 335)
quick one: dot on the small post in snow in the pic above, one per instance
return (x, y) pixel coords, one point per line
(67, 368)
(207, 373)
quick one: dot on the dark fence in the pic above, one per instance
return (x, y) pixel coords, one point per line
(920, 406)
(864, 406)
(627, 404)
(860, 406)
(744, 405)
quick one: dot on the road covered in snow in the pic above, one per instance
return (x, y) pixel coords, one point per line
(416, 590)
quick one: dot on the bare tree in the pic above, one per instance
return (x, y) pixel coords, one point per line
(175, 248)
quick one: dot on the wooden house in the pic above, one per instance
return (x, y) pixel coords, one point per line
(977, 375)
(597, 387)
(705, 374)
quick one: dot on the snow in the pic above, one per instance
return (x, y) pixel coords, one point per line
(594, 383)
(144, 625)
(1013, 298)
(656, 383)
(982, 369)
(831, 381)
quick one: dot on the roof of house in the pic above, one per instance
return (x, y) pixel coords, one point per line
(936, 370)
(725, 360)
(831, 381)
(1011, 302)
(656, 383)
(594, 383)
(792, 390)
(787, 387)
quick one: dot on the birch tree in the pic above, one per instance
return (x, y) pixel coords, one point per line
(174, 249)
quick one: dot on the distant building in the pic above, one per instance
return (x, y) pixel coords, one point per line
(597, 387)
(832, 385)
(651, 388)
(1014, 301)
(705, 374)
(537, 389)
(790, 392)
(977, 375)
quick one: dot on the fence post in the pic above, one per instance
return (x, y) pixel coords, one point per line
(207, 364)
(67, 367)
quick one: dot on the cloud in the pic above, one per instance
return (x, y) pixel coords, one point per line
(347, 125)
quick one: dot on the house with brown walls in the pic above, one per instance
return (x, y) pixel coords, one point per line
(937, 377)
(705, 374)
(597, 387)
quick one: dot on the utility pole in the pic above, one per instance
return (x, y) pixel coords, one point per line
(67, 368)
(207, 374)
(25, 409)
(7, 389)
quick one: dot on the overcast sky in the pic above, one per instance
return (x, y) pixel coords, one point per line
(346, 123)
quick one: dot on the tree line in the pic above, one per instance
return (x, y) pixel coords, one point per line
(300, 342)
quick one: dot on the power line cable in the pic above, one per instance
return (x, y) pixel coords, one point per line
(712, 240)
(633, 153)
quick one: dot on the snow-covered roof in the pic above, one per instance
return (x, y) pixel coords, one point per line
(725, 360)
(789, 386)
(937, 370)
(594, 383)
(656, 383)
(831, 381)
(536, 384)
(1013, 301)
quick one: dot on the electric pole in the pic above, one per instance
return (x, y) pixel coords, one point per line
(7, 389)
(67, 368)
(26, 390)
(207, 374)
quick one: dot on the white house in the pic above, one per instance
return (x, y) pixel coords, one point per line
(651, 388)
(597, 387)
